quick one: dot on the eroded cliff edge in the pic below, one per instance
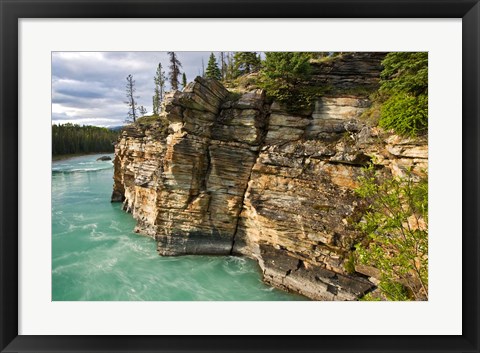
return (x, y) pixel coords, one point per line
(223, 173)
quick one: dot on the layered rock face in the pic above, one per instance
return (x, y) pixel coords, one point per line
(186, 185)
(219, 173)
(356, 72)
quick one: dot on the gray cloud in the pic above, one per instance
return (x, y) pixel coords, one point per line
(59, 116)
(89, 87)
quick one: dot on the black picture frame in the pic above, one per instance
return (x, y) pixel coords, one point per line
(12, 10)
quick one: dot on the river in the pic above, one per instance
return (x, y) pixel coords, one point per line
(96, 255)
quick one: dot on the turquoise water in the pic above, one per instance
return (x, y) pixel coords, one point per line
(96, 256)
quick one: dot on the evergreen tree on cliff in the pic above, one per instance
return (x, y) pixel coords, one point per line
(291, 67)
(246, 62)
(131, 99)
(223, 65)
(212, 68)
(184, 80)
(229, 66)
(175, 66)
(282, 76)
(159, 81)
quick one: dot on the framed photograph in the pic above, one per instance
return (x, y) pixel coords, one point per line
(307, 172)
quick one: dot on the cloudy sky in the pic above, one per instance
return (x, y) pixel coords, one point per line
(88, 88)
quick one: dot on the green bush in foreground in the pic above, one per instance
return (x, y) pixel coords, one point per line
(404, 92)
(396, 226)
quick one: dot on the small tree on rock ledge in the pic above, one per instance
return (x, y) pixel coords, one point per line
(283, 75)
(175, 66)
(131, 99)
(159, 91)
(212, 69)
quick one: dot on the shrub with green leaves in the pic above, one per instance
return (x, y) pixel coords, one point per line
(396, 227)
(404, 93)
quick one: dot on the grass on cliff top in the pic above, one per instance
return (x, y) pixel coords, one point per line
(243, 83)
(158, 124)
(148, 119)
(327, 59)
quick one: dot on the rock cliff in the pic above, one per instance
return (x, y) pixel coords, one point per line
(222, 173)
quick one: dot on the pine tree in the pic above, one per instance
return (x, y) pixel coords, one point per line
(159, 81)
(212, 69)
(223, 65)
(131, 99)
(282, 76)
(142, 110)
(230, 67)
(246, 62)
(175, 66)
(184, 80)
(291, 67)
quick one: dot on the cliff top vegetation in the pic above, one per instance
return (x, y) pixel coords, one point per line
(296, 79)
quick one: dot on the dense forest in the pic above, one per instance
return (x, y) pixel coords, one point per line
(73, 138)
